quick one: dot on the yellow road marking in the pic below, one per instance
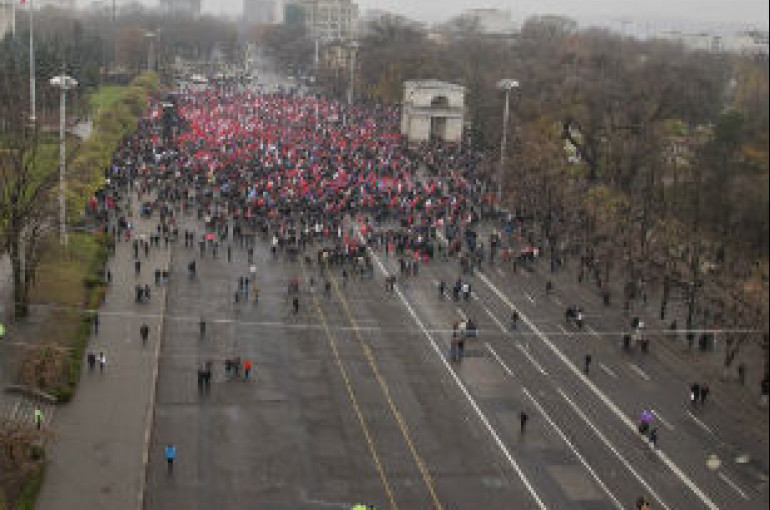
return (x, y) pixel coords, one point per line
(426, 476)
(354, 400)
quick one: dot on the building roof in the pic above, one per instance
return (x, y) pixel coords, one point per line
(433, 84)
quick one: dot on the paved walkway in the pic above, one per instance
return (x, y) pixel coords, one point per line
(97, 459)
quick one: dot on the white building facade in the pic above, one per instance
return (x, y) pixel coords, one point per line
(432, 110)
(263, 12)
(329, 20)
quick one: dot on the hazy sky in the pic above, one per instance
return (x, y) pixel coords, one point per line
(748, 12)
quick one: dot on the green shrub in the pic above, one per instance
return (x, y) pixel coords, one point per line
(30, 490)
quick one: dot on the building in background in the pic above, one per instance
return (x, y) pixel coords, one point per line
(753, 42)
(263, 12)
(325, 20)
(190, 8)
(432, 110)
(493, 22)
(6, 16)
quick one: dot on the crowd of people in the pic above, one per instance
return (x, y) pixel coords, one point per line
(299, 171)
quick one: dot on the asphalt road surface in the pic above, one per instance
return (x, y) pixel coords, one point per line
(353, 399)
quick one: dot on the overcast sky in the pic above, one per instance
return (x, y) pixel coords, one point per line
(676, 12)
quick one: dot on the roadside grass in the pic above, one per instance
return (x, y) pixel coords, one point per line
(72, 291)
(105, 96)
(31, 488)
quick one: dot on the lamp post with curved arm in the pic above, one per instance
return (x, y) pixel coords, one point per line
(507, 85)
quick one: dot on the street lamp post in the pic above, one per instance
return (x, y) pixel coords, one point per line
(353, 46)
(506, 85)
(64, 83)
(32, 107)
(151, 36)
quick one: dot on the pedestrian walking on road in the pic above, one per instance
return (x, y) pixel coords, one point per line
(246, 369)
(102, 361)
(645, 421)
(137, 266)
(91, 361)
(514, 319)
(202, 325)
(587, 363)
(695, 394)
(96, 322)
(170, 453)
(38, 418)
(523, 418)
(704, 393)
(144, 332)
(295, 304)
(454, 348)
(653, 438)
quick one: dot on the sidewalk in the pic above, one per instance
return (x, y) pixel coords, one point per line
(98, 455)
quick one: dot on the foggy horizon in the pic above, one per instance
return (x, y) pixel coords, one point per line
(684, 14)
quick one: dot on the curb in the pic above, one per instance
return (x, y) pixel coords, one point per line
(28, 391)
(154, 384)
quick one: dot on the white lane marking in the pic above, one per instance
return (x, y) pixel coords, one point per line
(564, 330)
(474, 296)
(595, 389)
(464, 390)
(531, 359)
(593, 331)
(607, 370)
(700, 423)
(734, 486)
(531, 299)
(608, 444)
(496, 320)
(639, 371)
(558, 430)
(462, 314)
(662, 420)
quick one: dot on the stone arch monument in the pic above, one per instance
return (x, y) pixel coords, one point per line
(432, 110)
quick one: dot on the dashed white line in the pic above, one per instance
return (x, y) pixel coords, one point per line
(612, 448)
(531, 299)
(662, 420)
(464, 390)
(630, 424)
(639, 371)
(531, 359)
(496, 320)
(593, 331)
(700, 423)
(607, 370)
(734, 486)
(561, 434)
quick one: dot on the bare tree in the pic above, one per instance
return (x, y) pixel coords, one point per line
(24, 186)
